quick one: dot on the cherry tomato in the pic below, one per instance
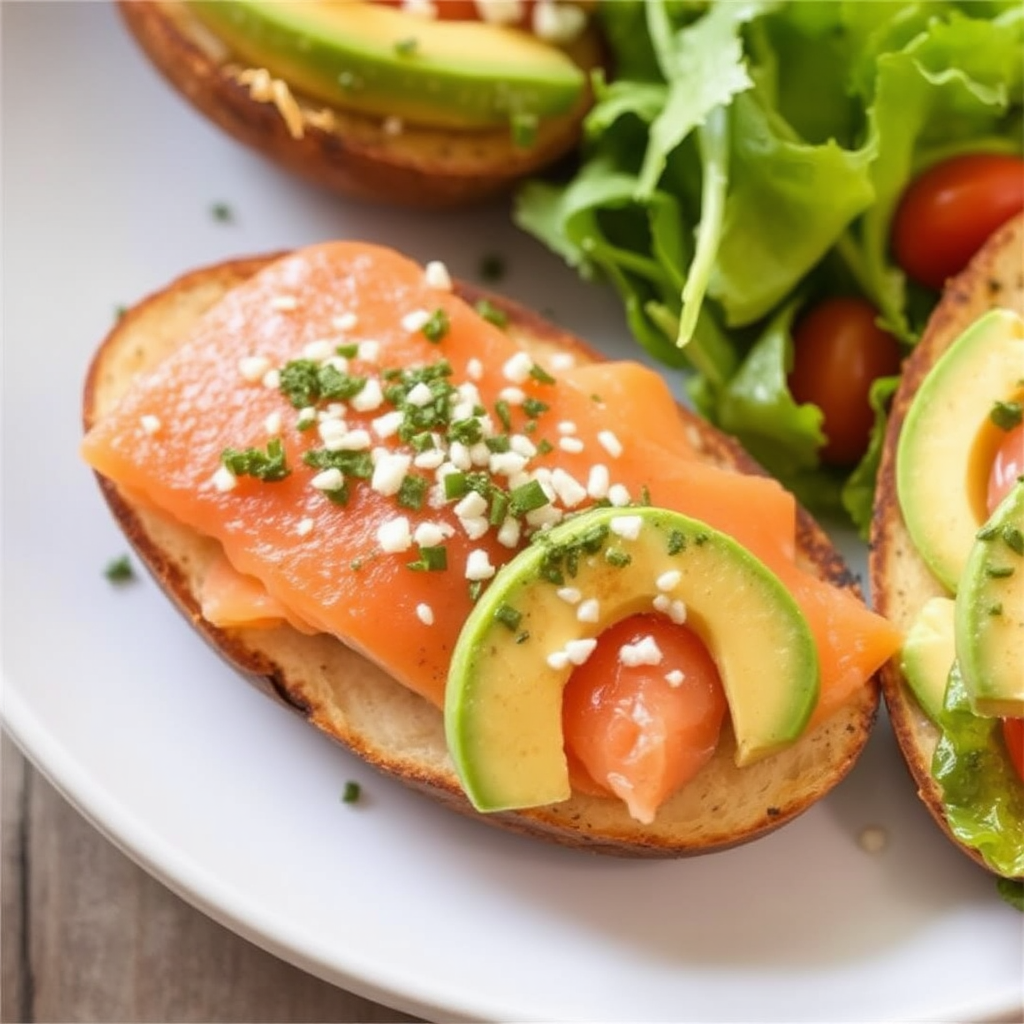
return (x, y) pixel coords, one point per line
(636, 730)
(1013, 733)
(947, 213)
(838, 351)
(1007, 466)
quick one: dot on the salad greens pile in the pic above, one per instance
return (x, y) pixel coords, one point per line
(744, 161)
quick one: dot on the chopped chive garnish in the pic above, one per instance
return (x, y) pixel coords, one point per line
(1013, 539)
(269, 466)
(986, 533)
(500, 502)
(1007, 415)
(437, 326)
(412, 491)
(456, 485)
(544, 446)
(676, 542)
(119, 311)
(533, 407)
(432, 559)
(521, 638)
(538, 372)
(999, 572)
(476, 588)
(348, 351)
(357, 464)
(222, 212)
(524, 130)
(527, 497)
(617, 557)
(701, 538)
(119, 570)
(645, 496)
(351, 793)
(504, 413)
(490, 312)
(995, 609)
(498, 443)
(407, 47)
(508, 616)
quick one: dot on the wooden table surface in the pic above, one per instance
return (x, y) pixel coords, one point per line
(89, 936)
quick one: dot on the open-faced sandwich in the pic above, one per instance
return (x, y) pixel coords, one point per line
(428, 103)
(947, 559)
(513, 575)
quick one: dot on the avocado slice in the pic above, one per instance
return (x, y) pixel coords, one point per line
(990, 613)
(948, 441)
(928, 653)
(378, 60)
(503, 702)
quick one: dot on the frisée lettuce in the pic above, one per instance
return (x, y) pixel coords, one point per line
(745, 160)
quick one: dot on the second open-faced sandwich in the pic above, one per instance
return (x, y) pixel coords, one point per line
(947, 558)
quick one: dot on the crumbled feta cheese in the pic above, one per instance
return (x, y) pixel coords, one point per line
(420, 395)
(626, 527)
(253, 368)
(415, 320)
(598, 482)
(522, 445)
(480, 454)
(272, 379)
(369, 398)
(430, 459)
(610, 443)
(272, 424)
(319, 350)
(618, 495)
(677, 612)
(589, 610)
(459, 457)
(389, 472)
(569, 594)
(429, 535)
(558, 23)
(474, 369)
(284, 303)
(345, 321)
(506, 463)
(573, 445)
(578, 651)
(421, 8)
(517, 368)
(368, 351)
(500, 12)
(304, 526)
(475, 527)
(150, 424)
(473, 504)
(644, 652)
(668, 580)
(514, 396)
(674, 678)
(562, 361)
(436, 275)
(547, 515)
(509, 533)
(569, 491)
(224, 480)
(394, 535)
(328, 479)
(478, 565)
(332, 433)
(387, 425)
(425, 614)
(557, 660)
(567, 427)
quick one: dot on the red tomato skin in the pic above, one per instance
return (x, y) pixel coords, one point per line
(838, 352)
(1013, 733)
(1007, 466)
(949, 211)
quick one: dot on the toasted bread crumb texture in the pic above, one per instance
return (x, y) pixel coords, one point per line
(370, 315)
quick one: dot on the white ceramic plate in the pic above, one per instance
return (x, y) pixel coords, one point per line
(108, 185)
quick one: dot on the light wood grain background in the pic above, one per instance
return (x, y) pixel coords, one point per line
(86, 935)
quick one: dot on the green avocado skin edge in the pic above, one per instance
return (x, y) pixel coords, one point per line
(982, 796)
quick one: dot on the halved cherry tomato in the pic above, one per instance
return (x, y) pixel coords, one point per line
(1007, 466)
(948, 212)
(635, 730)
(1013, 733)
(838, 352)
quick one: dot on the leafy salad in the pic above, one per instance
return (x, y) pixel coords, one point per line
(744, 161)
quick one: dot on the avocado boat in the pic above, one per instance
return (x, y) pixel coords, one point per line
(946, 559)
(370, 100)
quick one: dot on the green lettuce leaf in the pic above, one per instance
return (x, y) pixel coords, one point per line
(982, 794)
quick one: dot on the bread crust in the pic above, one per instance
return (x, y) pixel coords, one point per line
(901, 582)
(400, 733)
(349, 153)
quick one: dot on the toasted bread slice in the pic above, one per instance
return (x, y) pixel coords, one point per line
(900, 581)
(349, 153)
(400, 733)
